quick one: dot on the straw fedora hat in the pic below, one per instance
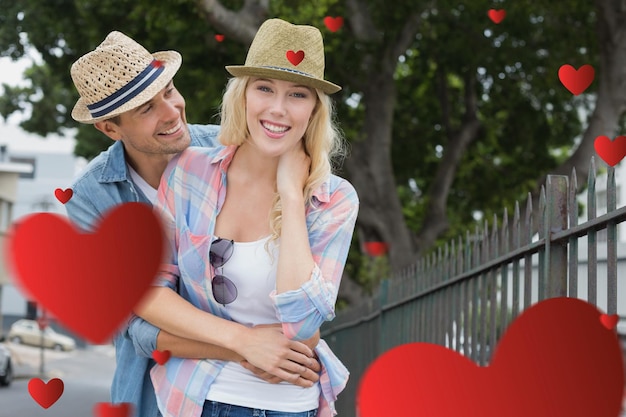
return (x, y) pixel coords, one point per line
(283, 51)
(119, 75)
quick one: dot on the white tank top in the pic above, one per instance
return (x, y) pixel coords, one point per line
(253, 272)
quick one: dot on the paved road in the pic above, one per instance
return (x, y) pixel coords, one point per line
(86, 375)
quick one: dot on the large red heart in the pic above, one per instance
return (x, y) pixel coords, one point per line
(496, 15)
(113, 410)
(88, 281)
(295, 57)
(44, 393)
(555, 359)
(611, 151)
(576, 80)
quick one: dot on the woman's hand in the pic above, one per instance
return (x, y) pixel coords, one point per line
(293, 171)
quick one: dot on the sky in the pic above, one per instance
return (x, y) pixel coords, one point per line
(16, 138)
(12, 71)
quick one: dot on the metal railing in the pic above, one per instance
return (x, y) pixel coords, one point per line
(464, 295)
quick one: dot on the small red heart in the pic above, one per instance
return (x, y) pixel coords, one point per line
(63, 195)
(333, 23)
(375, 248)
(553, 360)
(219, 37)
(161, 357)
(45, 394)
(113, 410)
(609, 321)
(88, 281)
(576, 81)
(295, 57)
(611, 151)
(496, 15)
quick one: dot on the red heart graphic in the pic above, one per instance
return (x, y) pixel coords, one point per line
(333, 23)
(63, 195)
(219, 38)
(496, 15)
(88, 281)
(161, 357)
(576, 81)
(113, 410)
(611, 151)
(295, 57)
(555, 359)
(609, 321)
(375, 248)
(45, 394)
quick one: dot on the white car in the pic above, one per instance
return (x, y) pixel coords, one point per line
(28, 332)
(6, 366)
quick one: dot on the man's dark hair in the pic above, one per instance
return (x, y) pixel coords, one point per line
(116, 119)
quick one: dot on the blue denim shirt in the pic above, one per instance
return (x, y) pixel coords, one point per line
(105, 182)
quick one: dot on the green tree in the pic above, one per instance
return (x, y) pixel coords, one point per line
(447, 112)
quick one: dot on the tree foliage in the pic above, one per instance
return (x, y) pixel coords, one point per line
(448, 113)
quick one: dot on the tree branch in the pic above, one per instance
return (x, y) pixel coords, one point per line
(442, 87)
(407, 35)
(436, 219)
(240, 26)
(361, 21)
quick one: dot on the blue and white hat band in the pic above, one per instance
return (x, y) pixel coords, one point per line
(130, 90)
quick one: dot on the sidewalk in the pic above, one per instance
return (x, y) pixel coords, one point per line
(25, 362)
(27, 359)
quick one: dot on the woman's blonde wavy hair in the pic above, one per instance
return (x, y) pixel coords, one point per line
(323, 141)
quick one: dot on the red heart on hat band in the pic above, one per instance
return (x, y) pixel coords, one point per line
(295, 57)
(89, 281)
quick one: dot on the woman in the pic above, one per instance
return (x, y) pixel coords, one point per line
(260, 231)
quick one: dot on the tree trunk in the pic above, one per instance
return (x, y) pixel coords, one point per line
(371, 172)
(436, 220)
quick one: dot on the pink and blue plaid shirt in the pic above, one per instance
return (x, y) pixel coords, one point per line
(191, 194)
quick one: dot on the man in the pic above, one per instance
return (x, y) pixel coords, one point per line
(129, 95)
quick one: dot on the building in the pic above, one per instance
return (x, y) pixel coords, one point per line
(45, 164)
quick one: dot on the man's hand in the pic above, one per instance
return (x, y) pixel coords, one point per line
(308, 377)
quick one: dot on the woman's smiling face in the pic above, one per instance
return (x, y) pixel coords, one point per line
(277, 113)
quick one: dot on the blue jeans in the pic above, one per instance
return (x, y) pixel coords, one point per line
(216, 409)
